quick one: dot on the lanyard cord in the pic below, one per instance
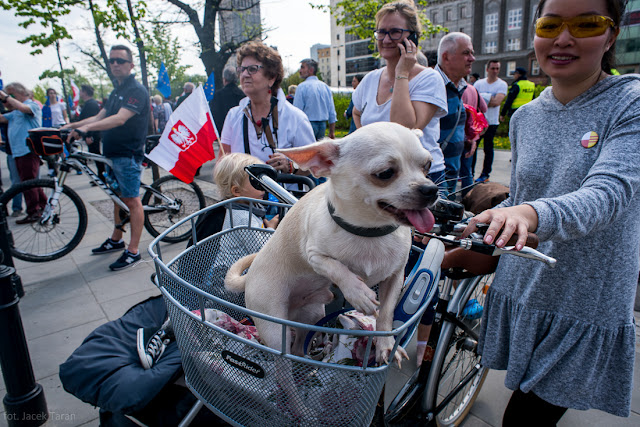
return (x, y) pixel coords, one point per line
(262, 126)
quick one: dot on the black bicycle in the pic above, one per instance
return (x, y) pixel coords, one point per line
(63, 222)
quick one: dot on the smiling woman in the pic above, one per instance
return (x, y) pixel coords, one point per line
(566, 336)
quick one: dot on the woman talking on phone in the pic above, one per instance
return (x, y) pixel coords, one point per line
(403, 92)
(566, 336)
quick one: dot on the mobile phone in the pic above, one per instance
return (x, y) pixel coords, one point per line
(413, 37)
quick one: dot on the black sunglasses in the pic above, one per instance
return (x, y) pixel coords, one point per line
(119, 61)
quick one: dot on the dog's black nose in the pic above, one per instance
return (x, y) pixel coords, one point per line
(429, 191)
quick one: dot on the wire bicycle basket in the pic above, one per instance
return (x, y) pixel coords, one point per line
(239, 379)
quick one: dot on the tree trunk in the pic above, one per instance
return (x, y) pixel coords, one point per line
(100, 43)
(64, 87)
(140, 45)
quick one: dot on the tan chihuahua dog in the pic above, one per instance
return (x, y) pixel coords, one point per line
(353, 231)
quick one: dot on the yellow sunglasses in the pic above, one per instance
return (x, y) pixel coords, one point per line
(580, 26)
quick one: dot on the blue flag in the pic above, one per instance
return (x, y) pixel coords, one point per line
(210, 87)
(164, 86)
(46, 114)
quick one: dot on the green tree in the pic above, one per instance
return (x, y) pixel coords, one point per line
(291, 79)
(46, 13)
(162, 47)
(358, 17)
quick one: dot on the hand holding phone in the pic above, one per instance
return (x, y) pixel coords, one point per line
(412, 37)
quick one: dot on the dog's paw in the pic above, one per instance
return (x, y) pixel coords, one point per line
(361, 297)
(384, 345)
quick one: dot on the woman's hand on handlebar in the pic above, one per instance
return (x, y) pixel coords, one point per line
(280, 162)
(504, 223)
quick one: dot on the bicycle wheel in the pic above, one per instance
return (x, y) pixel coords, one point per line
(169, 201)
(456, 359)
(56, 233)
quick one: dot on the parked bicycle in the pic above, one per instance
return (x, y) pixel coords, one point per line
(63, 222)
(240, 380)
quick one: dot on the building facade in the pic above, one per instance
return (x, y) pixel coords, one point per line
(324, 63)
(628, 43)
(237, 24)
(499, 29)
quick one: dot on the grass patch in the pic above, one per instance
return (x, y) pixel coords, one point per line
(499, 143)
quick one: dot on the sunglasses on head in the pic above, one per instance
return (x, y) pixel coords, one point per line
(118, 61)
(252, 69)
(580, 26)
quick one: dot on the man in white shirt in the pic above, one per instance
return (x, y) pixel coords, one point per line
(493, 90)
(316, 100)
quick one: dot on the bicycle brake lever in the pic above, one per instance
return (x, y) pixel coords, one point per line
(527, 252)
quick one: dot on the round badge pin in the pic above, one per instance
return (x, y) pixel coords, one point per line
(589, 139)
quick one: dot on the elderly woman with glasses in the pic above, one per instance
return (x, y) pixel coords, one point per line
(403, 92)
(566, 335)
(264, 120)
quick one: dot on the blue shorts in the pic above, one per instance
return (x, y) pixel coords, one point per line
(127, 172)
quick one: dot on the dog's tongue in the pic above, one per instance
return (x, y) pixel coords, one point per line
(422, 220)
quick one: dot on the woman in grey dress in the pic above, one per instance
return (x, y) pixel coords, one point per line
(566, 336)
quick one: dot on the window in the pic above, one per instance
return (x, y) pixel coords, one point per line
(449, 13)
(491, 23)
(337, 36)
(434, 18)
(511, 68)
(514, 19)
(463, 11)
(513, 44)
(535, 68)
(491, 47)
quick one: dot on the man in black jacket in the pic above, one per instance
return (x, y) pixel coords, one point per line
(91, 108)
(226, 98)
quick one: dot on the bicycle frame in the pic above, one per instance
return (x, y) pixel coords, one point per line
(76, 161)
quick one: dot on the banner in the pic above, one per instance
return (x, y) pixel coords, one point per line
(187, 140)
(164, 85)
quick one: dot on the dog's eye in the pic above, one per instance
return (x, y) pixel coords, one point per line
(386, 174)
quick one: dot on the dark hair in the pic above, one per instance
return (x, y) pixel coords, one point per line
(268, 56)
(87, 89)
(125, 48)
(615, 10)
(311, 63)
(50, 88)
(359, 77)
(492, 61)
(476, 76)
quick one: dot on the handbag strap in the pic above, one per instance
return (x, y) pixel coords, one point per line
(443, 144)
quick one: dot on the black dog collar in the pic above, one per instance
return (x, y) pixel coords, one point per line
(360, 231)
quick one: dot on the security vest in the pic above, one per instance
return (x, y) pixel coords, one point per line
(525, 94)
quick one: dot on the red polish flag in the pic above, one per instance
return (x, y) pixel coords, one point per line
(187, 140)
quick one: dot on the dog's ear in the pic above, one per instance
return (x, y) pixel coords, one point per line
(319, 158)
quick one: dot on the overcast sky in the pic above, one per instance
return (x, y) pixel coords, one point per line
(296, 28)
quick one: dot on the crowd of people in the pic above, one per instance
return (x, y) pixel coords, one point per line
(565, 336)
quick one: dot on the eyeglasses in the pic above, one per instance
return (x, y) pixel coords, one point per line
(394, 33)
(581, 26)
(118, 61)
(252, 69)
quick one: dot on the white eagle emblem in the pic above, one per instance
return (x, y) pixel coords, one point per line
(182, 136)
